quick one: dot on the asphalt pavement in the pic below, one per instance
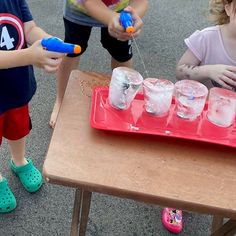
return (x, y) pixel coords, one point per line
(48, 212)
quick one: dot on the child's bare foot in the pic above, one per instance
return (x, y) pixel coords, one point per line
(53, 118)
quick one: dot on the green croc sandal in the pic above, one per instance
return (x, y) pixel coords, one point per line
(7, 199)
(29, 176)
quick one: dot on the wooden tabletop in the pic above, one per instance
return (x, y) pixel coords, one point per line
(170, 172)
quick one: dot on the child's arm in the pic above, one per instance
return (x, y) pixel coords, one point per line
(10, 59)
(189, 68)
(139, 6)
(98, 10)
(34, 55)
(33, 32)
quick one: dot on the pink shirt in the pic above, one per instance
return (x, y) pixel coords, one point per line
(208, 47)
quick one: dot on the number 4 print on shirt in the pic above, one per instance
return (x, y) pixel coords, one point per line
(6, 40)
(11, 32)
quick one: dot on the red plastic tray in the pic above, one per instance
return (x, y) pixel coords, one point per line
(137, 120)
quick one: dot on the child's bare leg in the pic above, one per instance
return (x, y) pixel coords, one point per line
(0, 177)
(17, 148)
(115, 63)
(29, 175)
(67, 65)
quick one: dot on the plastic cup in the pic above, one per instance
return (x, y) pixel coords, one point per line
(124, 85)
(157, 95)
(190, 98)
(221, 107)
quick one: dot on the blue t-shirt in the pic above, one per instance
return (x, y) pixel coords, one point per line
(17, 85)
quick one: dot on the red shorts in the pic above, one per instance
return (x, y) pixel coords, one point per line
(15, 123)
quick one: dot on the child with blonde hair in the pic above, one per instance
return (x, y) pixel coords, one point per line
(211, 54)
(210, 59)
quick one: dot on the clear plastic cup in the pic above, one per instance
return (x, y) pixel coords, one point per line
(158, 95)
(190, 98)
(124, 85)
(221, 107)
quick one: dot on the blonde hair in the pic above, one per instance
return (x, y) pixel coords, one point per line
(217, 11)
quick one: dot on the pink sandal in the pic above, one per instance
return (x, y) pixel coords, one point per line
(172, 219)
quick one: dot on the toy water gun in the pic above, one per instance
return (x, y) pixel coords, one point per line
(126, 21)
(56, 45)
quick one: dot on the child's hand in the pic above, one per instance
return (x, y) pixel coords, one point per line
(116, 30)
(42, 58)
(138, 22)
(224, 75)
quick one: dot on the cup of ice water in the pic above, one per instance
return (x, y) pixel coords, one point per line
(221, 107)
(190, 98)
(124, 85)
(157, 95)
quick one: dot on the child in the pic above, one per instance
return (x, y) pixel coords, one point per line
(79, 18)
(210, 59)
(211, 54)
(17, 86)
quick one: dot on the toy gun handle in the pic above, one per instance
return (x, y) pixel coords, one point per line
(126, 21)
(56, 45)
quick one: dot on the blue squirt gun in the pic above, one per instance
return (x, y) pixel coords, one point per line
(126, 21)
(56, 45)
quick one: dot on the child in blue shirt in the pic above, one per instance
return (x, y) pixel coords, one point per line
(17, 87)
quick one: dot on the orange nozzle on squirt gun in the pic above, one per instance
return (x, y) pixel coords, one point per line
(127, 22)
(56, 45)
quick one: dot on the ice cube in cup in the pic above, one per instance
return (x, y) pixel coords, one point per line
(221, 107)
(125, 84)
(190, 98)
(157, 95)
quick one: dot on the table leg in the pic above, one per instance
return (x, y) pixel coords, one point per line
(76, 212)
(217, 222)
(82, 200)
(227, 229)
(86, 201)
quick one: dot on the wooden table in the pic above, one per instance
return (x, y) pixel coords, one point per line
(192, 176)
